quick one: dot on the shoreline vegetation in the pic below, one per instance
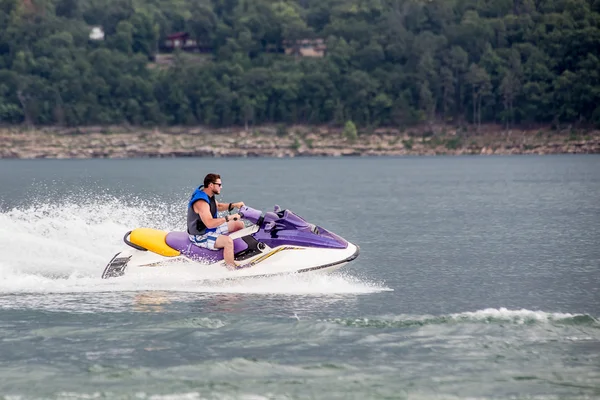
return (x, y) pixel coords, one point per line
(289, 141)
(225, 63)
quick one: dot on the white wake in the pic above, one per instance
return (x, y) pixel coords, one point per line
(63, 248)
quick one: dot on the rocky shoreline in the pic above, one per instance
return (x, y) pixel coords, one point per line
(294, 141)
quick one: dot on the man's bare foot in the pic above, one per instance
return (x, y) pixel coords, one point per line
(235, 266)
(227, 265)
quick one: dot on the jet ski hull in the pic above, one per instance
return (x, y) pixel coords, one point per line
(284, 244)
(278, 261)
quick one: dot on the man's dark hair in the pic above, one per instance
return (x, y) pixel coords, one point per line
(211, 178)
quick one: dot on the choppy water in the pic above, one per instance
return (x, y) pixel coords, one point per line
(478, 278)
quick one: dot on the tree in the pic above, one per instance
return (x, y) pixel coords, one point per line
(350, 131)
(10, 109)
(481, 88)
(448, 90)
(509, 87)
(203, 22)
(426, 102)
(123, 38)
(457, 61)
(143, 35)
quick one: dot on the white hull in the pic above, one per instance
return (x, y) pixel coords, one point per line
(276, 261)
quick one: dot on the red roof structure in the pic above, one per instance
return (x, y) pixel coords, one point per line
(178, 35)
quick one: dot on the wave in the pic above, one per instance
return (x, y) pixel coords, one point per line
(486, 316)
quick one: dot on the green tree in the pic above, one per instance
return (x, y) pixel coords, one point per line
(481, 87)
(350, 131)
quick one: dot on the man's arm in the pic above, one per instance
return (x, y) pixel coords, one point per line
(203, 209)
(225, 206)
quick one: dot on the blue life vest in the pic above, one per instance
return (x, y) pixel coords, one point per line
(195, 226)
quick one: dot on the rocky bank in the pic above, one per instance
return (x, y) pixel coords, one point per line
(294, 141)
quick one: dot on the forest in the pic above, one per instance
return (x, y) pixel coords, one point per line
(387, 62)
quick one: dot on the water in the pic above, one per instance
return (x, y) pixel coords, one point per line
(479, 277)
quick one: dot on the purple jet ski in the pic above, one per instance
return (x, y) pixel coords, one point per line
(277, 242)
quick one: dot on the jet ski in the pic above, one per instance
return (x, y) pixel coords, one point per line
(273, 243)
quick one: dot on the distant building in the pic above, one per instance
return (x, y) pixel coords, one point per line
(179, 40)
(183, 41)
(306, 47)
(96, 33)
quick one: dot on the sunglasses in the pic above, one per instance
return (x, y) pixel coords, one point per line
(218, 184)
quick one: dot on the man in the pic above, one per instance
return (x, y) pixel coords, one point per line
(204, 227)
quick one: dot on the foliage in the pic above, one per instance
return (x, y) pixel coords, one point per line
(453, 144)
(387, 62)
(350, 131)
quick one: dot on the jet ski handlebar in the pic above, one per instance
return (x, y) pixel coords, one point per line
(259, 218)
(250, 214)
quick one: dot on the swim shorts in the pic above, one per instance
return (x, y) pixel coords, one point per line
(209, 238)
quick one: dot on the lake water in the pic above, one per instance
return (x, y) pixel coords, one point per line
(479, 277)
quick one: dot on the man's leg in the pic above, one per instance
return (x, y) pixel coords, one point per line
(214, 241)
(226, 243)
(233, 226)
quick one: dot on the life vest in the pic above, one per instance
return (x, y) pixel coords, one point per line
(195, 226)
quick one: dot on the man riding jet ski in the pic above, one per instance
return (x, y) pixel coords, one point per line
(204, 226)
(277, 242)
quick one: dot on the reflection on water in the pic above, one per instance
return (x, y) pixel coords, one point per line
(157, 301)
(225, 303)
(238, 303)
(150, 301)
